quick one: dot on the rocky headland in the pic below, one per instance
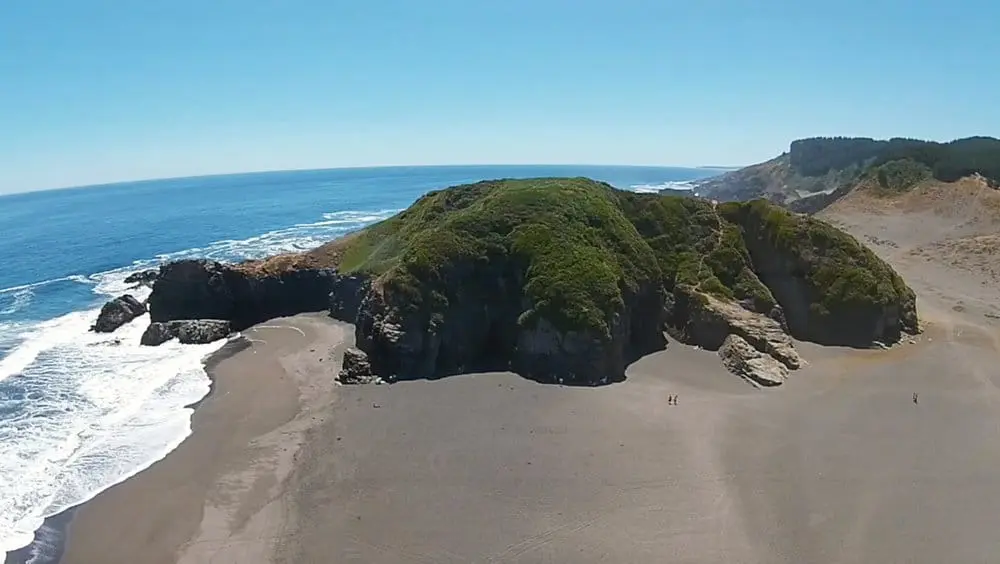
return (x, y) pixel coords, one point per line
(562, 280)
(816, 172)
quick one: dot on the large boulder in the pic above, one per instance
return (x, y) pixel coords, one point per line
(118, 312)
(244, 294)
(754, 366)
(711, 321)
(142, 278)
(187, 331)
(355, 369)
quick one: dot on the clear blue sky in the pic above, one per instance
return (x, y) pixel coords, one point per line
(105, 90)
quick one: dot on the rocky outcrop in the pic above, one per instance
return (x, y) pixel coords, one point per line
(188, 332)
(832, 289)
(483, 328)
(560, 280)
(241, 294)
(118, 312)
(744, 360)
(710, 321)
(356, 369)
(346, 295)
(142, 278)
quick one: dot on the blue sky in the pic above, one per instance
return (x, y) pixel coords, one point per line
(107, 90)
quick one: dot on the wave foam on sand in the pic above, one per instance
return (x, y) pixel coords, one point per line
(80, 411)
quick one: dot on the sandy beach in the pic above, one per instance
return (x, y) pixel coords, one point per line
(838, 465)
(219, 496)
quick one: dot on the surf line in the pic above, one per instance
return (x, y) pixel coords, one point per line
(300, 331)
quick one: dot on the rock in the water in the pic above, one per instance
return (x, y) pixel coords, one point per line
(143, 278)
(188, 331)
(156, 334)
(243, 294)
(356, 369)
(759, 368)
(118, 312)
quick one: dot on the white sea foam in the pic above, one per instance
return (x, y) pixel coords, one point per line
(655, 188)
(71, 278)
(15, 301)
(89, 413)
(80, 411)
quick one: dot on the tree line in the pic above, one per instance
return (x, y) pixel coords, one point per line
(947, 161)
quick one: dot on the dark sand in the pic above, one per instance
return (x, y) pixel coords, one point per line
(219, 496)
(838, 465)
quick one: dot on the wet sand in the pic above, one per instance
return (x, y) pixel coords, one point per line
(219, 495)
(838, 465)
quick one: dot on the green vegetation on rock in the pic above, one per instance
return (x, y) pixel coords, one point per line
(840, 273)
(694, 246)
(578, 250)
(569, 236)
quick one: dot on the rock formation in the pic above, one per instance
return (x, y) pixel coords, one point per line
(142, 278)
(562, 280)
(243, 294)
(355, 369)
(746, 361)
(118, 312)
(346, 295)
(832, 289)
(484, 277)
(188, 332)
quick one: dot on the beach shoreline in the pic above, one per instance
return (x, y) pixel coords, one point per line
(49, 543)
(837, 464)
(233, 430)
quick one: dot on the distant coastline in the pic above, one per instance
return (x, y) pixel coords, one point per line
(210, 176)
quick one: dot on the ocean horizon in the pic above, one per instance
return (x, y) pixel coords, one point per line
(709, 170)
(80, 411)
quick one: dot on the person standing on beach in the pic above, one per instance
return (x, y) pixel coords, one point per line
(914, 398)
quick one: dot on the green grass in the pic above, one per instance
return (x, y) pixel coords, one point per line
(578, 248)
(570, 237)
(695, 246)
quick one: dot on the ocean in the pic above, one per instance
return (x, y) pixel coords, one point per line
(80, 412)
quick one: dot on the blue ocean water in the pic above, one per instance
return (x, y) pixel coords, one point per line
(80, 412)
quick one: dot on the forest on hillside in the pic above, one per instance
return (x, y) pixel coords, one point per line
(947, 161)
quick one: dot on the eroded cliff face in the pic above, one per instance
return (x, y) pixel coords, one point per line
(477, 324)
(792, 275)
(201, 289)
